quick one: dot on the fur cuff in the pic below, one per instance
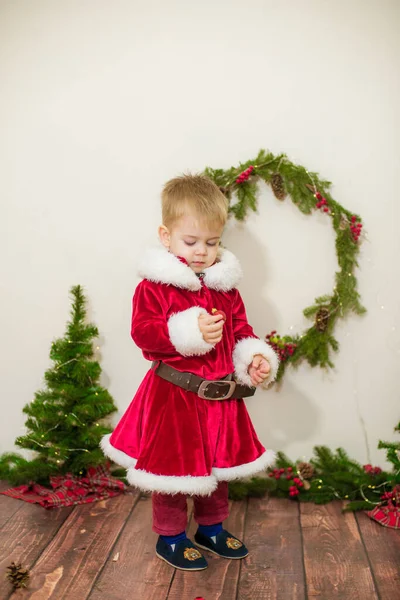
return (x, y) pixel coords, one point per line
(243, 354)
(185, 334)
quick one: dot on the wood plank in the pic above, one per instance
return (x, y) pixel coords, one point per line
(220, 580)
(336, 563)
(8, 506)
(138, 573)
(25, 535)
(383, 549)
(274, 569)
(69, 565)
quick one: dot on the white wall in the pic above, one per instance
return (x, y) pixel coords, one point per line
(101, 102)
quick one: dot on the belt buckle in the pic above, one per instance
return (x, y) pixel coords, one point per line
(202, 391)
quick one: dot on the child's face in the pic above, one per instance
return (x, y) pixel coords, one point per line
(195, 241)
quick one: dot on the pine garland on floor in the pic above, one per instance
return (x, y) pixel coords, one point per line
(328, 476)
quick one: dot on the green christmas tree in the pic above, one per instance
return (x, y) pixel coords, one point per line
(64, 425)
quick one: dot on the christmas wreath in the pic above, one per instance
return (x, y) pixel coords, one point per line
(309, 193)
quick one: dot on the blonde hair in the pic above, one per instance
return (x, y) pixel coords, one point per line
(196, 192)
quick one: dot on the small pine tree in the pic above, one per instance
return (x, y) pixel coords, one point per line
(63, 424)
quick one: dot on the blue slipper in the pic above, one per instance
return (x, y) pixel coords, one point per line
(182, 555)
(223, 544)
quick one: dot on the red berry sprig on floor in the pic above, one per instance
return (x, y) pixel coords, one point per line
(355, 228)
(283, 349)
(245, 175)
(278, 473)
(387, 496)
(372, 470)
(322, 202)
(294, 490)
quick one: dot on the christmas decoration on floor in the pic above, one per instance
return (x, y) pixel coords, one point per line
(68, 490)
(64, 424)
(309, 193)
(333, 475)
(17, 575)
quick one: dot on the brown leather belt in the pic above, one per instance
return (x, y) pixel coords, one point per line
(221, 389)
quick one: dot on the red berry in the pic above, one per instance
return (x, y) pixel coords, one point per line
(318, 195)
(277, 476)
(271, 474)
(353, 219)
(289, 476)
(290, 469)
(326, 209)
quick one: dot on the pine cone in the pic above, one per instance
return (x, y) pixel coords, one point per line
(17, 576)
(277, 186)
(305, 470)
(322, 319)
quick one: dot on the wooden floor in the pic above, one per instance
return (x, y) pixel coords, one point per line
(106, 550)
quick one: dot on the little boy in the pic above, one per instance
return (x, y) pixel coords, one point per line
(187, 430)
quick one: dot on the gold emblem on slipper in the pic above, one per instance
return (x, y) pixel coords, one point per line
(233, 543)
(191, 554)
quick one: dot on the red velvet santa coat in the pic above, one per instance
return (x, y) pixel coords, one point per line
(171, 440)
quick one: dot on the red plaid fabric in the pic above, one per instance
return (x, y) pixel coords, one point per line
(388, 516)
(68, 489)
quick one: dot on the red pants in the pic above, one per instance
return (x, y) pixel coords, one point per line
(170, 512)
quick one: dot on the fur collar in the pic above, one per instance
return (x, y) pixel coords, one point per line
(160, 266)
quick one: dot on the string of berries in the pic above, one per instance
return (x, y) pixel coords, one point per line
(355, 228)
(322, 202)
(278, 473)
(283, 348)
(245, 175)
(372, 470)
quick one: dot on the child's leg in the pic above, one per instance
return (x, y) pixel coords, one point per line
(170, 521)
(209, 510)
(169, 513)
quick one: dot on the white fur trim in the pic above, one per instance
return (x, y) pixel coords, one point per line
(185, 334)
(243, 354)
(225, 274)
(119, 457)
(261, 463)
(168, 484)
(160, 266)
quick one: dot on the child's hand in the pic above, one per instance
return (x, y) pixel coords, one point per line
(259, 369)
(211, 327)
